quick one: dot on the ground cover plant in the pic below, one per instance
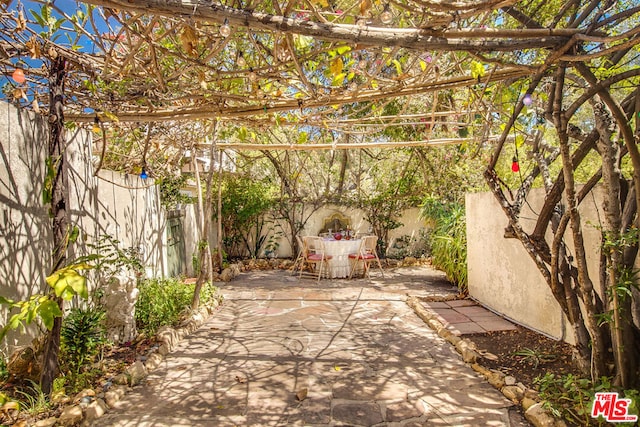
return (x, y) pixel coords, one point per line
(547, 365)
(88, 360)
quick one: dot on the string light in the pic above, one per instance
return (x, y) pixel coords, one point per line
(515, 166)
(96, 125)
(144, 174)
(225, 30)
(527, 99)
(386, 17)
(241, 62)
(252, 75)
(18, 76)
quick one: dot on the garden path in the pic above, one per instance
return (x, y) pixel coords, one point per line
(288, 351)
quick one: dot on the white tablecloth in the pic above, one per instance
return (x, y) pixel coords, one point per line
(340, 249)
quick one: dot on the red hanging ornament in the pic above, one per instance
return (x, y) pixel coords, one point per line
(18, 76)
(515, 166)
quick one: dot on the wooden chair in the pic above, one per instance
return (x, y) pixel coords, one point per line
(314, 254)
(366, 254)
(299, 262)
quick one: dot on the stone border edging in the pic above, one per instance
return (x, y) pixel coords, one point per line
(516, 392)
(85, 413)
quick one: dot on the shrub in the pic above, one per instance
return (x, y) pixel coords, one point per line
(449, 239)
(81, 338)
(570, 397)
(166, 302)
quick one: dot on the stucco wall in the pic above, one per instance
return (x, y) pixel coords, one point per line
(503, 277)
(122, 206)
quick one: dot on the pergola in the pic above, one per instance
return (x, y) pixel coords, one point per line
(260, 62)
(336, 65)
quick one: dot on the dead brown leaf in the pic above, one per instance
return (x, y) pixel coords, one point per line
(302, 394)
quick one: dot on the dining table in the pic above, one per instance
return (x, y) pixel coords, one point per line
(339, 265)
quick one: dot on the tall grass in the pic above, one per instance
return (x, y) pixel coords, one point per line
(448, 240)
(166, 302)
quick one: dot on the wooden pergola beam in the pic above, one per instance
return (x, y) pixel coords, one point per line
(241, 146)
(410, 38)
(270, 106)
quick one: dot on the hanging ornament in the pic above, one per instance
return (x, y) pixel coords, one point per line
(515, 166)
(18, 76)
(527, 99)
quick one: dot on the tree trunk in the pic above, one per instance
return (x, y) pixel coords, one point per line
(584, 283)
(60, 223)
(204, 247)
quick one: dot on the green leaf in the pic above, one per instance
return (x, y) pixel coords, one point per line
(73, 236)
(303, 137)
(398, 67)
(7, 301)
(48, 311)
(302, 42)
(47, 187)
(242, 134)
(477, 69)
(67, 282)
(338, 79)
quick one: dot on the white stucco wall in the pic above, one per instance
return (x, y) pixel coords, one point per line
(504, 278)
(122, 206)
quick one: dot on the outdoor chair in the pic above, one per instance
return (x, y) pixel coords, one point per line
(366, 255)
(299, 262)
(314, 254)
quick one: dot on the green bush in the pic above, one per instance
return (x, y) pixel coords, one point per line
(166, 302)
(82, 337)
(4, 373)
(571, 398)
(449, 239)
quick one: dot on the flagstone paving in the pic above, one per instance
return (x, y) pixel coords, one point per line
(287, 351)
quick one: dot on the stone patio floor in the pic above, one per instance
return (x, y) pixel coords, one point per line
(287, 351)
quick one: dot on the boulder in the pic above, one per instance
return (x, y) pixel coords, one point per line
(70, 416)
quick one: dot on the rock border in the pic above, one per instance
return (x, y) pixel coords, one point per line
(513, 390)
(89, 405)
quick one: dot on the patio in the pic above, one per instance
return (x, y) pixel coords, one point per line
(285, 351)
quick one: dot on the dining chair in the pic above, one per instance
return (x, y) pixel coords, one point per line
(299, 262)
(315, 254)
(366, 254)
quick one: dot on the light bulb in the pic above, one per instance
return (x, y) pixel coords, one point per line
(252, 75)
(515, 166)
(386, 17)
(361, 23)
(241, 62)
(18, 76)
(143, 174)
(225, 30)
(527, 99)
